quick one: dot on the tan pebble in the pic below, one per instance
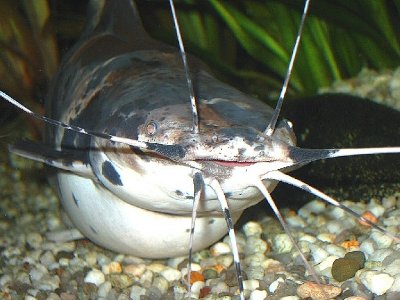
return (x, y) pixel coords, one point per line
(135, 269)
(318, 292)
(326, 237)
(111, 268)
(272, 266)
(218, 268)
(219, 249)
(67, 296)
(156, 267)
(355, 298)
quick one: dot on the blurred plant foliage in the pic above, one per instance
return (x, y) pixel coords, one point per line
(29, 54)
(250, 41)
(247, 42)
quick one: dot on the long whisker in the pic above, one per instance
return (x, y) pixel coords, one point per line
(231, 231)
(260, 185)
(277, 175)
(271, 126)
(198, 185)
(193, 101)
(173, 152)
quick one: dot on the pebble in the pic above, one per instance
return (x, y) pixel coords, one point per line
(157, 267)
(210, 274)
(47, 258)
(197, 286)
(135, 269)
(326, 237)
(396, 284)
(368, 246)
(324, 267)
(282, 243)
(335, 250)
(296, 221)
(274, 285)
(121, 281)
(34, 240)
(375, 281)
(147, 278)
(104, 289)
(220, 248)
(389, 202)
(255, 245)
(252, 229)
(376, 209)
(258, 295)
(380, 254)
(345, 268)
(95, 276)
(318, 253)
(225, 260)
(171, 274)
(113, 267)
(220, 287)
(48, 283)
(393, 268)
(255, 272)
(382, 240)
(251, 284)
(318, 292)
(312, 207)
(137, 292)
(153, 293)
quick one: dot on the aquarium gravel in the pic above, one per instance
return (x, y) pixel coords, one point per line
(33, 267)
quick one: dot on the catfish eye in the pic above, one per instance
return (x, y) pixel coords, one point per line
(151, 128)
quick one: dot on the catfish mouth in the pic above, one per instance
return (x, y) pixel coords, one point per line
(231, 164)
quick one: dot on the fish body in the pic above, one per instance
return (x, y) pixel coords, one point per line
(119, 81)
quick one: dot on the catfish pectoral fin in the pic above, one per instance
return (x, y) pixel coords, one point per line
(73, 161)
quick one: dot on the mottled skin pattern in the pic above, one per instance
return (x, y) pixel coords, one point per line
(119, 81)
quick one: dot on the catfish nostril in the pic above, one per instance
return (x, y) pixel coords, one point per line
(151, 128)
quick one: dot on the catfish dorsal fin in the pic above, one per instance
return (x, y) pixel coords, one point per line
(112, 22)
(117, 17)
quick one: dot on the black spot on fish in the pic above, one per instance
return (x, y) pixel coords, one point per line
(76, 201)
(211, 221)
(178, 193)
(259, 148)
(187, 230)
(228, 195)
(92, 229)
(110, 173)
(189, 197)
